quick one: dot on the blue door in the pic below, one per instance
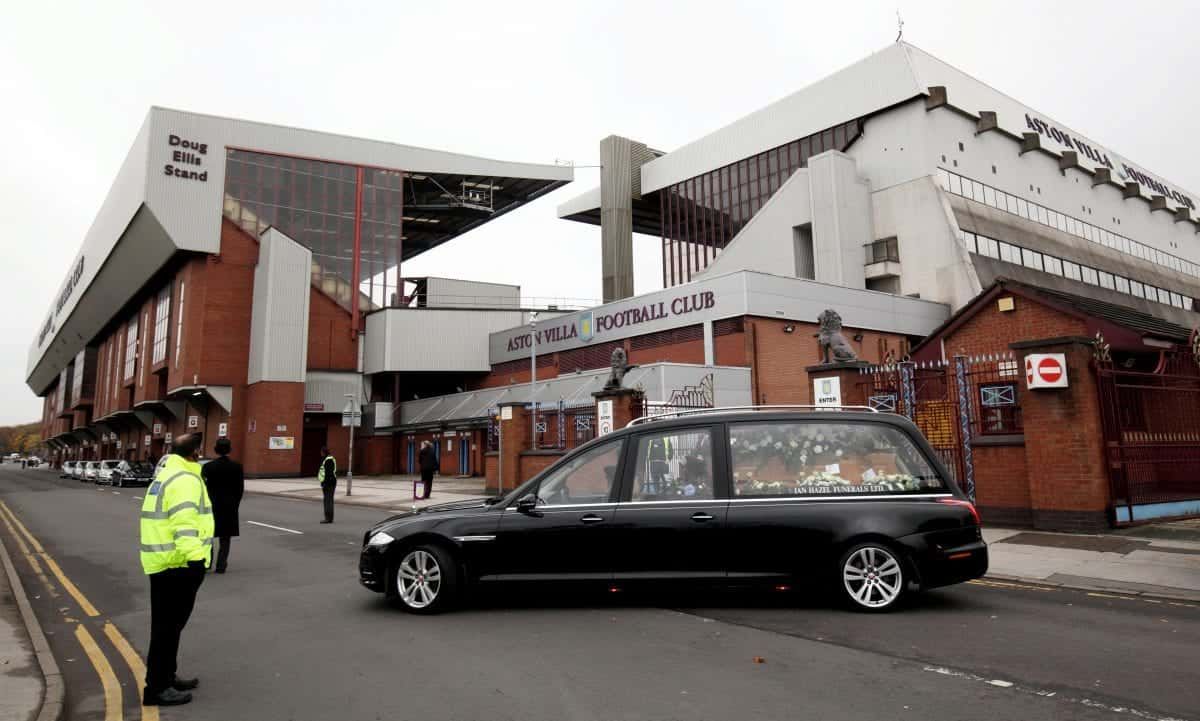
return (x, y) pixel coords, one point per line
(412, 455)
(464, 456)
(437, 452)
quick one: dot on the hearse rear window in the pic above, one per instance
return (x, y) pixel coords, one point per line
(820, 459)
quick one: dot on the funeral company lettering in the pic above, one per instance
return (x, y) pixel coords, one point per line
(591, 323)
(1100, 157)
(187, 159)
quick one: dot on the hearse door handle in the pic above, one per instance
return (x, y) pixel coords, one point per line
(701, 517)
(591, 518)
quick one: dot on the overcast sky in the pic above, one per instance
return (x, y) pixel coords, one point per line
(531, 82)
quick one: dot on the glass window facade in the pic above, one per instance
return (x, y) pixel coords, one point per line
(162, 324)
(968, 188)
(701, 215)
(1018, 255)
(331, 209)
(131, 347)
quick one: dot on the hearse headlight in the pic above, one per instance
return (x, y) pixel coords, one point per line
(382, 538)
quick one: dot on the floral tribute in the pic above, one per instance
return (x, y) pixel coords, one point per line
(821, 459)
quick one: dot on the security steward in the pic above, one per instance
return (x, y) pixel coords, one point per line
(327, 477)
(177, 537)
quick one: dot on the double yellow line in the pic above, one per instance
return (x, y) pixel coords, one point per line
(35, 554)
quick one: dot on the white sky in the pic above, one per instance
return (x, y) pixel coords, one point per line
(519, 81)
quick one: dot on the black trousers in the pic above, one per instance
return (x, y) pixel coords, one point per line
(427, 481)
(223, 552)
(327, 492)
(172, 596)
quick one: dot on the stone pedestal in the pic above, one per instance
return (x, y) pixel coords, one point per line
(627, 405)
(849, 377)
(514, 439)
(1064, 442)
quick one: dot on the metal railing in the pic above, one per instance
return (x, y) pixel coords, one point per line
(738, 409)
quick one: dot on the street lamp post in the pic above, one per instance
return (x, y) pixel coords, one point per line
(350, 460)
(533, 379)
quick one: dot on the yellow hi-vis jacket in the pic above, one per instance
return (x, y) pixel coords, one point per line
(321, 470)
(177, 521)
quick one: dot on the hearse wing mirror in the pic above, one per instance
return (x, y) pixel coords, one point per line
(527, 503)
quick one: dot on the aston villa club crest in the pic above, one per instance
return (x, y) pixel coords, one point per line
(585, 326)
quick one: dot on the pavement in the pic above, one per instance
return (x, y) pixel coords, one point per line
(289, 634)
(1161, 560)
(21, 683)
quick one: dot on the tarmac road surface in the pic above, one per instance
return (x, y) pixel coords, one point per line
(289, 634)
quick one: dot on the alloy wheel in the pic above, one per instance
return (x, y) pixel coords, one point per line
(419, 579)
(873, 577)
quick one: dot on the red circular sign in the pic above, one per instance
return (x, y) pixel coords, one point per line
(1050, 369)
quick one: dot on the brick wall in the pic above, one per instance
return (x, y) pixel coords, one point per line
(330, 345)
(270, 404)
(779, 358)
(1002, 484)
(990, 330)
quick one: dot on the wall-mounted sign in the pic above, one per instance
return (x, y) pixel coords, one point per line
(147, 442)
(589, 324)
(280, 428)
(187, 159)
(167, 439)
(193, 421)
(314, 407)
(506, 413)
(1045, 370)
(158, 429)
(282, 443)
(827, 391)
(222, 430)
(604, 417)
(118, 445)
(252, 426)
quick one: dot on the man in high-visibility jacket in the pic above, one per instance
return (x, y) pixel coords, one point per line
(327, 477)
(177, 536)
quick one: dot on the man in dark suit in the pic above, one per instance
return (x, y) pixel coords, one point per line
(428, 462)
(226, 484)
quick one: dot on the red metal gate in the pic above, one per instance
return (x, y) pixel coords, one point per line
(1151, 421)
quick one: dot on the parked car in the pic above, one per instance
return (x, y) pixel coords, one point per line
(68, 470)
(78, 469)
(104, 470)
(91, 471)
(856, 501)
(132, 473)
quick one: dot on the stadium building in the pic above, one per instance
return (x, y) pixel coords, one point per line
(899, 192)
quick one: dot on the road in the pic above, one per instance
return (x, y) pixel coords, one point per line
(289, 634)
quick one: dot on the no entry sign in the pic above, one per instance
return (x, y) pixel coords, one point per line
(1045, 370)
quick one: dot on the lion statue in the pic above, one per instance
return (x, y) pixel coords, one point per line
(833, 343)
(620, 367)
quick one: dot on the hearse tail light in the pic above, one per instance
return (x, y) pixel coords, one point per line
(966, 504)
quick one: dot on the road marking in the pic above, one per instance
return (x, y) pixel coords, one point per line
(29, 557)
(138, 498)
(134, 662)
(277, 528)
(113, 710)
(1047, 693)
(65, 582)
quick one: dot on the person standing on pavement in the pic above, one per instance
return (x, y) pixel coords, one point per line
(428, 463)
(176, 548)
(226, 483)
(327, 477)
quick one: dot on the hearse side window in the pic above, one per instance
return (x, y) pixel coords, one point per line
(587, 478)
(673, 465)
(821, 459)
